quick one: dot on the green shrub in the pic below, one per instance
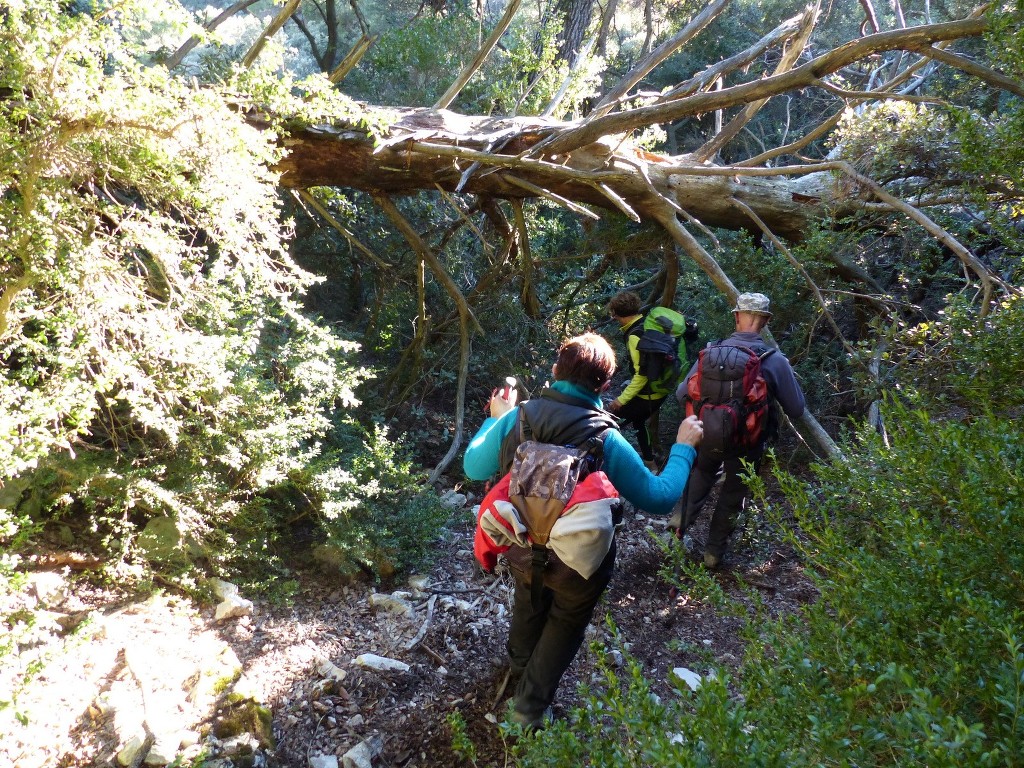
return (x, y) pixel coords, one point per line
(963, 360)
(904, 657)
(371, 507)
(156, 363)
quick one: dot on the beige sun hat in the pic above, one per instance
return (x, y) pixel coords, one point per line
(754, 303)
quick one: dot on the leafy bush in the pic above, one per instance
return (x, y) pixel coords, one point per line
(371, 504)
(963, 360)
(157, 366)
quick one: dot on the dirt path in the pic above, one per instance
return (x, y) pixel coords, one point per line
(455, 657)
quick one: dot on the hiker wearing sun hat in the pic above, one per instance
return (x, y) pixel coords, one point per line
(733, 388)
(753, 304)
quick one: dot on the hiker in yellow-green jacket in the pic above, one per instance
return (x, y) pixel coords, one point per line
(637, 402)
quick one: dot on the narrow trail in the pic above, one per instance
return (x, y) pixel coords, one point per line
(452, 640)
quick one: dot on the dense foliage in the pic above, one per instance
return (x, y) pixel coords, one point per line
(163, 393)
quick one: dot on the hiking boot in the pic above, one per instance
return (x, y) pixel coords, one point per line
(712, 561)
(531, 721)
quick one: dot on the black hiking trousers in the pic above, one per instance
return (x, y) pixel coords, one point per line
(543, 641)
(637, 412)
(732, 497)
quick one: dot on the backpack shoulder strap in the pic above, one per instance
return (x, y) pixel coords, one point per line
(637, 328)
(594, 446)
(524, 431)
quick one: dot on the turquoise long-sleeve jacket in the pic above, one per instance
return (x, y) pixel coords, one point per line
(655, 494)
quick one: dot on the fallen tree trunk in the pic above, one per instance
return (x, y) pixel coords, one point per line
(425, 148)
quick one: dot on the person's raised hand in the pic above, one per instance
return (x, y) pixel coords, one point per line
(501, 403)
(690, 431)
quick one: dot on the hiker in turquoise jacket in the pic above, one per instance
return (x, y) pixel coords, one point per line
(544, 639)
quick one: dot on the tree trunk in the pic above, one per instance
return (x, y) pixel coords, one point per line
(575, 16)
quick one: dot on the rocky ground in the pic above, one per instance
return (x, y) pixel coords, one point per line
(153, 674)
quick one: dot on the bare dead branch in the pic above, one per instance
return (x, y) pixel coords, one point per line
(317, 206)
(465, 218)
(988, 75)
(618, 202)
(786, 63)
(352, 58)
(712, 74)
(466, 319)
(700, 225)
(578, 63)
(667, 218)
(869, 13)
(797, 145)
(621, 122)
(531, 304)
(862, 96)
(901, 22)
(278, 22)
(529, 186)
(803, 273)
(989, 281)
(179, 55)
(827, 125)
(424, 627)
(480, 58)
(658, 55)
(423, 250)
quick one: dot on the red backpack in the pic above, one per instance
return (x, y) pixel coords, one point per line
(729, 394)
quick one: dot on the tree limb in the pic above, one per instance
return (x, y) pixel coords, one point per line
(290, 7)
(786, 63)
(466, 319)
(869, 13)
(800, 143)
(712, 74)
(578, 63)
(528, 296)
(360, 18)
(621, 122)
(862, 96)
(352, 58)
(803, 272)
(988, 75)
(989, 281)
(658, 55)
(529, 186)
(179, 55)
(480, 58)
(319, 207)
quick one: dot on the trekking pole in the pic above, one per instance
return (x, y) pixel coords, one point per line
(673, 591)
